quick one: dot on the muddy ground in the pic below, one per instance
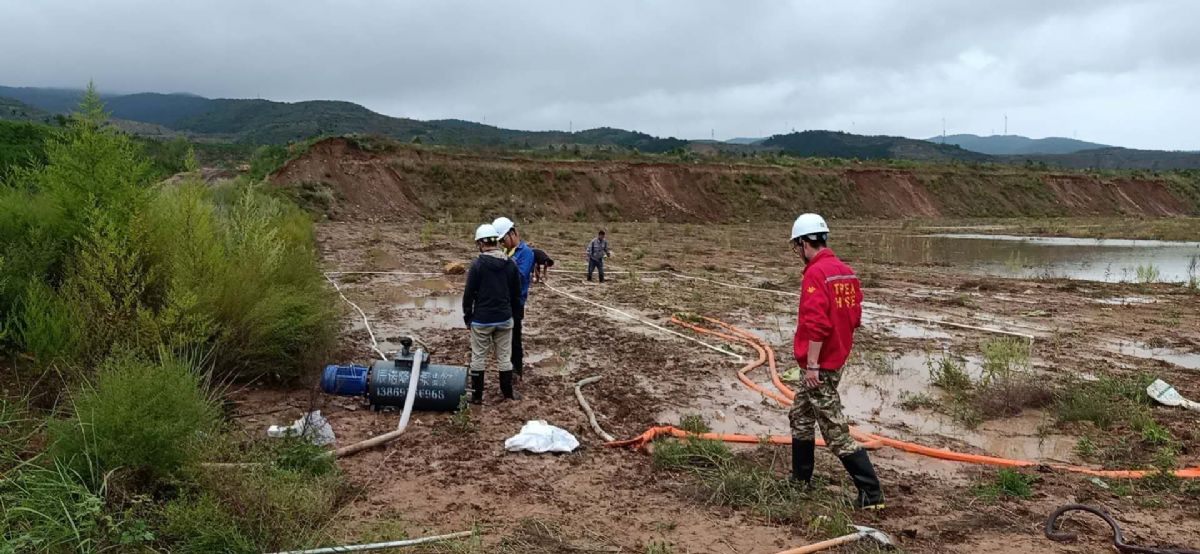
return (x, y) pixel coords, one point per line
(445, 475)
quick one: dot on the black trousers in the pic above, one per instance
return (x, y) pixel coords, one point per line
(518, 352)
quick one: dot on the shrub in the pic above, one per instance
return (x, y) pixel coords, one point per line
(44, 325)
(244, 279)
(139, 416)
(948, 373)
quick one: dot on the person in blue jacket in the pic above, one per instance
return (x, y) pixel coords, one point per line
(522, 254)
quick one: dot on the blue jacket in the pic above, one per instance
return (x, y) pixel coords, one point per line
(523, 256)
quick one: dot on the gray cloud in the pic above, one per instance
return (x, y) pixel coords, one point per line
(1118, 72)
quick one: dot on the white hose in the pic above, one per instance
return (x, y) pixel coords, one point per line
(414, 376)
(410, 399)
(878, 313)
(587, 409)
(646, 323)
(381, 545)
(366, 323)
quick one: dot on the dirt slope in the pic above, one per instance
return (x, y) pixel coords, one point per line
(413, 184)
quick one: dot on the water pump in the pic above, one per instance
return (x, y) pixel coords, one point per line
(384, 383)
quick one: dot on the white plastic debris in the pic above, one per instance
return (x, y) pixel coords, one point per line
(538, 436)
(313, 426)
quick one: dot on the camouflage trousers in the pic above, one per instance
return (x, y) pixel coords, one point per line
(822, 407)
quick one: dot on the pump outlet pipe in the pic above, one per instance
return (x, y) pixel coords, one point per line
(418, 359)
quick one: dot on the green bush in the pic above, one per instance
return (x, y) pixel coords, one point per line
(244, 280)
(140, 417)
(44, 325)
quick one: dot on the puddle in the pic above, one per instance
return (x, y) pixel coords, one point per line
(1188, 360)
(439, 285)
(910, 330)
(1110, 260)
(874, 402)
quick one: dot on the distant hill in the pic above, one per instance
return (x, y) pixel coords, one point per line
(53, 100)
(256, 121)
(268, 122)
(1115, 158)
(15, 110)
(836, 144)
(1003, 145)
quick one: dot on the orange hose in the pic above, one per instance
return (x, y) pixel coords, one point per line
(869, 440)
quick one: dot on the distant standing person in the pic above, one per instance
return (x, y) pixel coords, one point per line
(597, 250)
(522, 255)
(830, 311)
(490, 299)
(541, 265)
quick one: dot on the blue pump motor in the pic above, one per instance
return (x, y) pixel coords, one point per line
(345, 380)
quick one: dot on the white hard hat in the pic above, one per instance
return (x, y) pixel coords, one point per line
(486, 231)
(503, 225)
(809, 224)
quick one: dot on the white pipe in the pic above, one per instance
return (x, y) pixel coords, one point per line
(418, 356)
(380, 545)
(647, 323)
(410, 399)
(367, 323)
(587, 409)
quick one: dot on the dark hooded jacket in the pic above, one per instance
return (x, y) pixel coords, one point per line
(493, 292)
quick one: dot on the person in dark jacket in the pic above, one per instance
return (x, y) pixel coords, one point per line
(490, 300)
(542, 262)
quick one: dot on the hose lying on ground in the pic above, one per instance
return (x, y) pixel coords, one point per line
(381, 545)
(868, 438)
(587, 409)
(1054, 534)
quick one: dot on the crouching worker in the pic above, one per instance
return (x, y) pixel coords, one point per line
(830, 311)
(491, 298)
(542, 262)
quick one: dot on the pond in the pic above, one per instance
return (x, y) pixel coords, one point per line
(1110, 260)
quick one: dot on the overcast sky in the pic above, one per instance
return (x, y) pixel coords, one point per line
(1119, 72)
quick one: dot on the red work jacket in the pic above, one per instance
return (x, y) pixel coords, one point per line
(830, 310)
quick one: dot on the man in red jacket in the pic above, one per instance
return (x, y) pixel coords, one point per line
(830, 311)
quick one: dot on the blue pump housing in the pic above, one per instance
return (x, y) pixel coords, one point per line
(345, 380)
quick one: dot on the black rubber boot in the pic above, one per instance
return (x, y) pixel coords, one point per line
(477, 387)
(506, 386)
(858, 465)
(803, 459)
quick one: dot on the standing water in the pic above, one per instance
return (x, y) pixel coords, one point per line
(1110, 260)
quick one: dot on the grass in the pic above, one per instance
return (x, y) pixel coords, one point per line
(1102, 402)
(1004, 356)
(723, 478)
(461, 420)
(1006, 483)
(1147, 274)
(910, 401)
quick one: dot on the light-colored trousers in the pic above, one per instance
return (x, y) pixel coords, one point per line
(491, 337)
